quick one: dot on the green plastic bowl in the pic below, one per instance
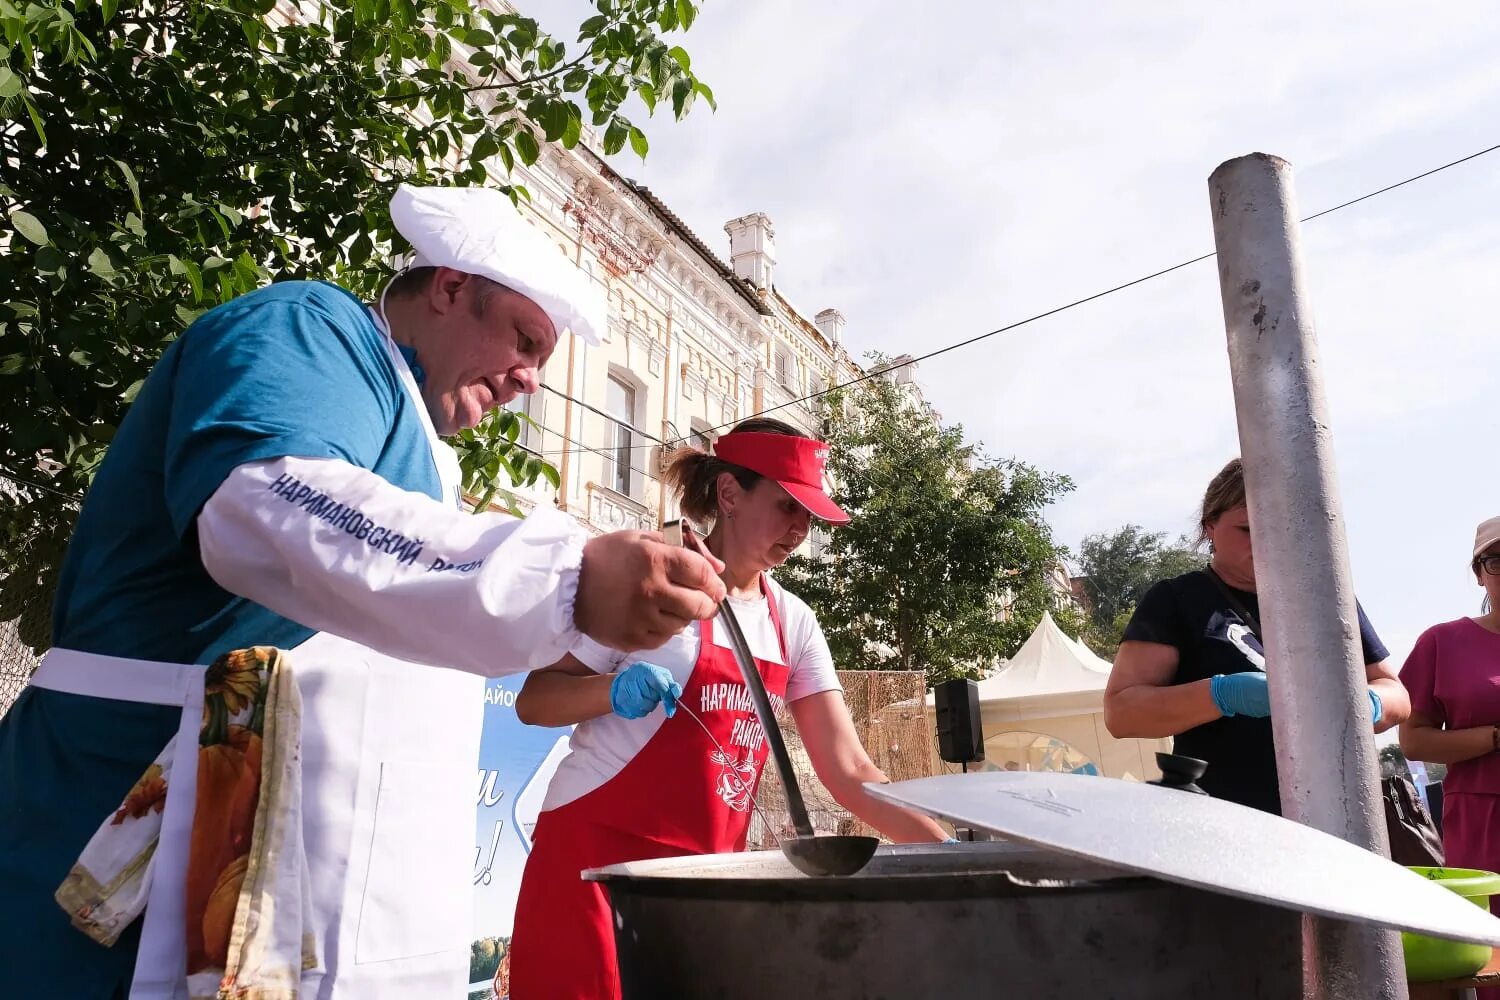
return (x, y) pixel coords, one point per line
(1429, 959)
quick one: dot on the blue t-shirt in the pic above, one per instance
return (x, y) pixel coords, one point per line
(294, 369)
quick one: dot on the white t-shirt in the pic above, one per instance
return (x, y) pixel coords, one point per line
(600, 748)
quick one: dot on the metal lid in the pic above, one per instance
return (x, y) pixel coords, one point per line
(1197, 841)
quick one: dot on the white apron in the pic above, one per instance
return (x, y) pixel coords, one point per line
(390, 752)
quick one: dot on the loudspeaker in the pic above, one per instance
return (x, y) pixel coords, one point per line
(960, 734)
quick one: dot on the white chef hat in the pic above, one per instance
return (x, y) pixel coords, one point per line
(478, 231)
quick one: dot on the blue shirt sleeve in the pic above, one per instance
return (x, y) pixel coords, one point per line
(1375, 650)
(291, 370)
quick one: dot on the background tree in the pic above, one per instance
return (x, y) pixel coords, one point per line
(944, 542)
(1118, 567)
(161, 157)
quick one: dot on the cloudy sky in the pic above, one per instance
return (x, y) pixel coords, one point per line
(938, 170)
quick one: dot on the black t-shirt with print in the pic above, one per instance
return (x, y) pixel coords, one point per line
(1191, 614)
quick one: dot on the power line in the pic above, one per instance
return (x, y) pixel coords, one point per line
(77, 498)
(1071, 305)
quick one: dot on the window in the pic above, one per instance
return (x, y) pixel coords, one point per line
(619, 403)
(783, 365)
(701, 437)
(534, 406)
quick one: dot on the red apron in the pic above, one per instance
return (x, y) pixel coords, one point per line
(679, 795)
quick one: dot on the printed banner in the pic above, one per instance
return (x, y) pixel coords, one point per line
(516, 762)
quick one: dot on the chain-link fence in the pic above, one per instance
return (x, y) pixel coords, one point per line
(25, 601)
(17, 661)
(890, 716)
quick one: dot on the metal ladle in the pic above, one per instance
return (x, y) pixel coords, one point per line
(810, 854)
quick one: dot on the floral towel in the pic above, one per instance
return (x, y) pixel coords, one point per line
(248, 901)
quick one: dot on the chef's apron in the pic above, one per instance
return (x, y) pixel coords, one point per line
(390, 750)
(679, 795)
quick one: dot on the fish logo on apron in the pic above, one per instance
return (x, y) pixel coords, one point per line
(735, 778)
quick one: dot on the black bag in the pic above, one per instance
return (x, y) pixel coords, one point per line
(1413, 836)
(1414, 839)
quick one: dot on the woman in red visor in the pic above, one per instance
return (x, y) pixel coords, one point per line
(642, 778)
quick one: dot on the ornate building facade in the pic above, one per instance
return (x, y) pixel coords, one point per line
(695, 343)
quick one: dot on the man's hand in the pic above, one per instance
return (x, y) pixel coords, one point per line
(635, 591)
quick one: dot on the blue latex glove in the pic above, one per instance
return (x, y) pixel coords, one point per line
(1377, 709)
(639, 688)
(1242, 694)
(951, 840)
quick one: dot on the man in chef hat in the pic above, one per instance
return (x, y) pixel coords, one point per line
(280, 481)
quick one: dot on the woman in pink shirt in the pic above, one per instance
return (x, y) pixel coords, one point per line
(1453, 676)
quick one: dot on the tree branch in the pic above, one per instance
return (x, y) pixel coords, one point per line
(530, 79)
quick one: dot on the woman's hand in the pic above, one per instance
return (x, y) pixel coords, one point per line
(844, 767)
(1245, 694)
(1424, 739)
(1141, 701)
(640, 687)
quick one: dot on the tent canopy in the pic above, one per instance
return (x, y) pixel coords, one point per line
(1054, 687)
(1050, 674)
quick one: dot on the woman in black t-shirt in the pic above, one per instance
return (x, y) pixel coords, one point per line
(1192, 666)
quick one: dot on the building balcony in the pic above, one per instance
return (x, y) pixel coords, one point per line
(613, 511)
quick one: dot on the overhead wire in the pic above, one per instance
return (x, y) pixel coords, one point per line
(887, 369)
(611, 452)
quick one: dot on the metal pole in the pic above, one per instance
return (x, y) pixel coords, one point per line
(1320, 714)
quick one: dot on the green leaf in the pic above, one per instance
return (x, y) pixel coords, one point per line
(101, 265)
(615, 136)
(484, 148)
(28, 226)
(36, 119)
(648, 96)
(10, 84)
(478, 38)
(134, 389)
(195, 279)
(526, 147)
(678, 53)
(682, 96)
(50, 260)
(549, 473)
(360, 249)
(574, 131)
(638, 142)
(707, 94)
(554, 120)
(686, 14)
(109, 7)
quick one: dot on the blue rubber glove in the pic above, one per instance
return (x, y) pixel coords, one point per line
(639, 688)
(1242, 694)
(1377, 709)
(951, 840)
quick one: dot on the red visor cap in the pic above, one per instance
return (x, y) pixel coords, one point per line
(796, 463)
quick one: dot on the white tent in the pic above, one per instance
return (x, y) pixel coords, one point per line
(1044, 710)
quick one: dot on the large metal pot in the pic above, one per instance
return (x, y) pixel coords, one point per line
(978, 920)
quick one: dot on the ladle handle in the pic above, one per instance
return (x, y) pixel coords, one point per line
(681, 533)
(767, 716)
